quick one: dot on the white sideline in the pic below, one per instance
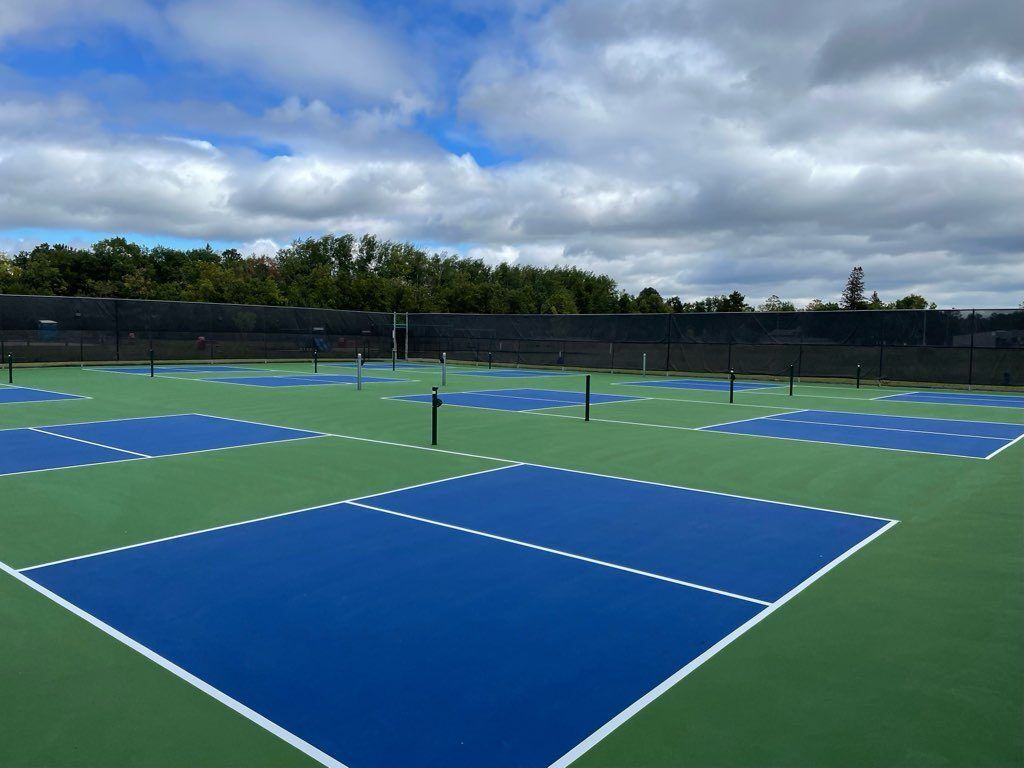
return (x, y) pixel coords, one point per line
(589, 742)
(233, 704)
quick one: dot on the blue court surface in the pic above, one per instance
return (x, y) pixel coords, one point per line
(382, 366)
(143, 370)
(517, 399)
(30, 395)
(32, 449)
(307, 380)
(512, 373)
(948, 437)
(957, 398)
(715, 385)
(499, 618)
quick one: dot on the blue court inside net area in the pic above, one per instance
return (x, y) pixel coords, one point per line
(498, 618)
(512, 373)
(143, 370)
(517, 399)
(33, 449)
(714, 385)
(948, 437)
(10, 394)
(303, 380)
(958, 398)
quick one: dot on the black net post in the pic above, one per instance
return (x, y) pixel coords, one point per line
(10, 369)
(444, 368)
(435, 403)
(732, 384)
(645, 364)
(359, 371)
(490, 360)
(586, 401)
(316, 361)
(858, 375)
(394, 358)
(791, 367)
(152, 363)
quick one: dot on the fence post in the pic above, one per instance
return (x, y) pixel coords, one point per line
(970, 359)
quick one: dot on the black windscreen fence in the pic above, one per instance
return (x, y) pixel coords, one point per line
(982, 347)
(962, 347)
(48, 329)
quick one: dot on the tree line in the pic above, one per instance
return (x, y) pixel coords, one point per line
(367, 273)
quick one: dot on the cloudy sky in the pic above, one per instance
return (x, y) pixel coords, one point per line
(698, 146)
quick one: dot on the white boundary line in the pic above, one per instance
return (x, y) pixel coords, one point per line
(138, 456)
(89, 442)
(750, 386)
(88, 555)
(830, 442)
(1000, 450)
(947, 402)
(434, 449)
(781, 417)
(602, 732)
(568, 757)
(174, 669)
(312, 377)
(562, 553)
(490, 393)
(64, 395)
(515, 373)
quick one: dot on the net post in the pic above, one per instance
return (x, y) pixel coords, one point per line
(791, 379)
(10, 369)
(645, 363)
(490, 360)
(152, 363)
(586, 407)
(359, 371)
(434, 405)
(732, 384)
(394, 358)
(858, 376)
(316, 361)
(444, 369)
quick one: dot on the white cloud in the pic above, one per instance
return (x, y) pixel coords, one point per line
(694, 146)
(308, 47)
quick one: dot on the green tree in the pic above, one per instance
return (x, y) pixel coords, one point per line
(853, 293)
(774, 304)
(817, 305)
(650, 301)
(912, 301)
